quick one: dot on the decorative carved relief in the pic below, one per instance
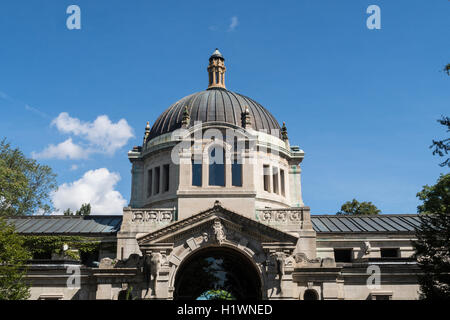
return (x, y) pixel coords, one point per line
(107, 263)
(219, 231)
(253, 228)
(153, 216)
(303, 261)
(281, 215)
(279, 258)
(138, 216)
(266, 216)
(366, 247)
(155, 264)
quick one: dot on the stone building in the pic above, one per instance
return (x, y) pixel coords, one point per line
(216, 203)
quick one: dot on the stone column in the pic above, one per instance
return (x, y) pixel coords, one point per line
(295, 188)
(185, 169)
(205, 170)
(248, 170)
(228, 174)
(307, 236)
(137, 184)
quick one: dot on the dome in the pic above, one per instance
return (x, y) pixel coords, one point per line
(215, 104)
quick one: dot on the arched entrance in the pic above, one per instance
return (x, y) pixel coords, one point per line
(217, 273)
(310, 294)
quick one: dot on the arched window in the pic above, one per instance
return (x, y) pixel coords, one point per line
(196, 172)
(217, 166)
(236, 173)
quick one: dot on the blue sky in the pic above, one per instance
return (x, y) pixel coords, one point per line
(361, 103)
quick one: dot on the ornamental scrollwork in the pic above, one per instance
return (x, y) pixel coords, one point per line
(153, 216)
(280, 215)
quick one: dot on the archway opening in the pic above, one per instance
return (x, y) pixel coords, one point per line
(125, 295)
(217, 273)
(310, 294)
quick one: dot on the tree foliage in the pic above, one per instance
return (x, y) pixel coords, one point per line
(432, 247)
(25, 185)
(46, 245)
(218, 294)
(13, 257)
(85, 210)
(436, 198)
(355, 207)
(442, 147)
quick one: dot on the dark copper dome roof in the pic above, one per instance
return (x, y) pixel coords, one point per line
(215, 104)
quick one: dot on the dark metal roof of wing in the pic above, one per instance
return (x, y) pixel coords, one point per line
(361, 224)
(107, 225)
(67, 225)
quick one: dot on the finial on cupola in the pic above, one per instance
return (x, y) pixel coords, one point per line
(186, 117)
(245, 117)
(216, 70)
(284, 134)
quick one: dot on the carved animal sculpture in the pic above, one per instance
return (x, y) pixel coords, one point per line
(155, 263)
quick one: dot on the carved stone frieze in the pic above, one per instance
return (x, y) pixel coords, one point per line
(283, 216)
(153, 216)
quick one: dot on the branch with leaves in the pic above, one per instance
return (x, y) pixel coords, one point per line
(25, 185)
(355, 207)
(442, 147)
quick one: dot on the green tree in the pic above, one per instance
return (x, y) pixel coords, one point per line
(13, 257)
(218, 294)
(355, 207)
(432, 247)
(25, 185)
(442, 147)
(85, 210)
(435, 198)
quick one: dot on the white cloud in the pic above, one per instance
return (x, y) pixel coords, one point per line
(73, 167)
(102, 133)
(64, 150)
(234, 23)
(100, 136)
(95, 187)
